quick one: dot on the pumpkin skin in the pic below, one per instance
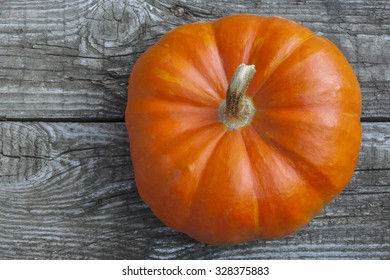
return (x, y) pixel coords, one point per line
(265, 180)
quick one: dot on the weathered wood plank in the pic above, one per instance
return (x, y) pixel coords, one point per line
(67, 191)
(70, 60)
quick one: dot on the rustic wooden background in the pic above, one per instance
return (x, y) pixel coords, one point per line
(66, 183)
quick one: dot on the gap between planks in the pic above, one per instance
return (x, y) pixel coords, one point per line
(122, 120)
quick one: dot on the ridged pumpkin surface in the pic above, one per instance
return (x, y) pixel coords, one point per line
(267, 179)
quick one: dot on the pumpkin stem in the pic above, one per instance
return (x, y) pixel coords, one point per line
(238, 109)
(237, 88)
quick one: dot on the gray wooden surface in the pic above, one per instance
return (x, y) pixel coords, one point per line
(66, 182)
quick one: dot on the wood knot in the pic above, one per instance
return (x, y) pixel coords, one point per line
(115, 25)
(25, 150)
(178, 11)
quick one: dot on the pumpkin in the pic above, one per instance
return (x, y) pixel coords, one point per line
(242, 128)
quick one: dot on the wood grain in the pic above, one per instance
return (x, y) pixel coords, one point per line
(70, 194)
(67, 188)
(70, 60)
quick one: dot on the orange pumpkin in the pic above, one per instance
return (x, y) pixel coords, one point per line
(229, 153)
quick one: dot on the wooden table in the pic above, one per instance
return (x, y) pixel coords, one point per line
(67, 187)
